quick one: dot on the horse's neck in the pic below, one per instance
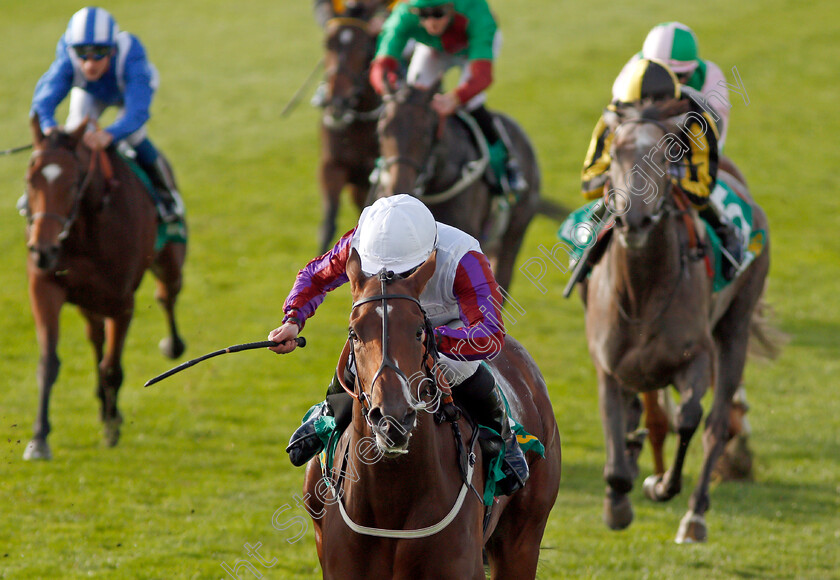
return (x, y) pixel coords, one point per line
(452, 151)
(639, 273)
(422, 469)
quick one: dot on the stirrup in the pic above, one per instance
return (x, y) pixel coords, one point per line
(516, 182)
(515, 468)
(304, 443)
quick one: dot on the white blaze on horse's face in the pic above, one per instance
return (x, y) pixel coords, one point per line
(345, 37)
(51, 172)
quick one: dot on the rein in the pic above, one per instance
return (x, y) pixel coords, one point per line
(348, 354)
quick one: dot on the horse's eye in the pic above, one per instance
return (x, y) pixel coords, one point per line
(353, 336)
(420, 332)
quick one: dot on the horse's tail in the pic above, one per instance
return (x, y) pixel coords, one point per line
(552, 209)
(766, 339)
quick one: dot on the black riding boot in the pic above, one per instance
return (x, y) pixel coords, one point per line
(304, 443)
(502, 162)
(171, 207)
(730, 239)
(479, 395)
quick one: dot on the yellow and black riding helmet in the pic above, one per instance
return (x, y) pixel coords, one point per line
(649, 79)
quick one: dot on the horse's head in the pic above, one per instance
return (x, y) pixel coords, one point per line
(407, 131)
(349, 51)
(645, 149)
(391, 340)
(53, 187)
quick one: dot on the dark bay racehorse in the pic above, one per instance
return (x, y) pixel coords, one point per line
(349, 145)
(91, 237)
(652, 320)
(401, 508)
(427, 156)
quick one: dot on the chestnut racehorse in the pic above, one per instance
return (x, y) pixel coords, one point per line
(349, 146)
(652, 319)
(403, 499)
(91, 236)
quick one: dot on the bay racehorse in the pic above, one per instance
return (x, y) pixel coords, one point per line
(439, 161)
(653, 320)
(91, 233)
(403, 499)
(349, 145)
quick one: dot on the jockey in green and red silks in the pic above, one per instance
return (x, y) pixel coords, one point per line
(448, 33)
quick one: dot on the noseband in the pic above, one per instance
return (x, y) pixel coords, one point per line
(430, 353)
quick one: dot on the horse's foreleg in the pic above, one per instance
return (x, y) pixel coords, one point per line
(656, 422)
(618, 513)
(167, 268)
(46, 301)
(692, 385)
(111, 374)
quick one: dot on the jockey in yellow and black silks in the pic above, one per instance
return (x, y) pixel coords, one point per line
(651, 80)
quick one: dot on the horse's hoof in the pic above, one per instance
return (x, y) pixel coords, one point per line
(111, 431)
(651, 487)
(692, 529)
(172, 348)
(736, 462)
(618, 513)
(37, 449)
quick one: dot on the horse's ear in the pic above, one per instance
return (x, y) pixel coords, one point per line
(77, 133)
(423, 274)
(354, 271)
(37, 134)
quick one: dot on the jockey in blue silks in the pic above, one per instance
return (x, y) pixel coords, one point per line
(101, 66)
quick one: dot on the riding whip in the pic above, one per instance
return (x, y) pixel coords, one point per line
(14, 150)
(296, 97)
(301, 342)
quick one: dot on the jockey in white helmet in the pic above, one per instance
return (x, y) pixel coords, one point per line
(462, 301)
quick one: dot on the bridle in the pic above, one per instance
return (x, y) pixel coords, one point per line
(671, 202)
(358, 81)
(434, 378)
(79, 189)
(664, 206)
(466, 455)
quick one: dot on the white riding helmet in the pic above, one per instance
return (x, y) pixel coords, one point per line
(673, 43)
(397, 233)
(93, 26)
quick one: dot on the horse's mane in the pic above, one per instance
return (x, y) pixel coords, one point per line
(60, 140)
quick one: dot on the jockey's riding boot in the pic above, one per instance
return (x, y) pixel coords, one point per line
(485, 403)
(730, 240)
(319, 98)
(171, 206)
(515, 178)
(22, 204)
(305, 442)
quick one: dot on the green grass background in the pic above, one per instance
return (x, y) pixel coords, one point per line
(200, 470)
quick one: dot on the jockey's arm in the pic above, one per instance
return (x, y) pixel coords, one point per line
(52, 88)
(321, 275)
(597, 163)
(137, 95)
(479, 302)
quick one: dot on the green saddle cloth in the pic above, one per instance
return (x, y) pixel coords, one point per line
(167, 231)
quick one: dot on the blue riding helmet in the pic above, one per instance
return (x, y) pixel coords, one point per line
(91, 26)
